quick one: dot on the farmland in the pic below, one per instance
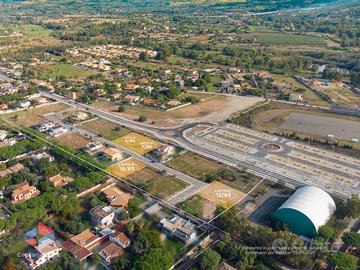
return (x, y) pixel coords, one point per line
(289, 39)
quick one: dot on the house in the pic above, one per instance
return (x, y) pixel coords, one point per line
(16, 168)
(143, 81)
(110, 251)
(112, 154)
(116, 197)
(39, 156)
(115, 96)
(25, 104)
(130, 87)
(102, 216)
(174, 103)
(80, 116)
(93, 146)
(224, 266)
(120, 238)
(57, 131)
(45, 127)
(3, 134)
(42, 253)
(296, 97)
(58, 180)
(23, 192)
(148, 89)
(178, 227)
(86, 239)
(77, 251)
(3, 106)
(73, 95)
(149, 102)
(132, 99)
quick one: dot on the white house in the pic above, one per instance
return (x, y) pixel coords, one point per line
(3, 134)
(120, 238)
(42, 253)
(102, 216)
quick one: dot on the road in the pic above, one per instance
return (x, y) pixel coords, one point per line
(179, 138)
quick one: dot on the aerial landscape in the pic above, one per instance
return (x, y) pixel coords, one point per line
(180, 134)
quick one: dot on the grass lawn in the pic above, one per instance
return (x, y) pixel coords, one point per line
(133, 206)
(19, 247)
(156, 183)
(193, 205)
(289, 39)
(173, 246)
(195, 165)
(106, 129)
(64, 70)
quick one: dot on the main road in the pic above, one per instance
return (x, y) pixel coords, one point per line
(179, 138)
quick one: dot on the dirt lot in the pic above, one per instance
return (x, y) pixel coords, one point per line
(125, 168)
(158, 184)
(221, 194)
(33, 116)
(213, 109)
(137, 143)
(73, 140)
(106, 129)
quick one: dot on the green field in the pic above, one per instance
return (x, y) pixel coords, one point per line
(65, 70)
(288, 39)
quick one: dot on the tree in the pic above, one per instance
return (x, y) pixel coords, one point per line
(327, 232)
(142, 118)
(352, 206)
(121, 109)
(352, 239)
(209, 260)
(154, 259)
(120, 263)
(143, 56)
(343, 261)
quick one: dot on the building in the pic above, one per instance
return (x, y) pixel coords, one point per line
(25, 104)
(110, 251)
(57, 131)
(178, 227)
(42, 253)
(116, 197)
(306, 210)
(58, 180)
(39, 156)
(3, 134)
(174, 103)
(131, 99)
(224, 266)
(45, 127)
(93, 146)
(112, 154)
(3, 106)
(86, 239)
(80, 116)
(23, 192)
(102, 216)
(131, 87)
(296, 97)
(73, 95)
(120, 238)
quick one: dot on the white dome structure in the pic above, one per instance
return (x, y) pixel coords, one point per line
(306, 210)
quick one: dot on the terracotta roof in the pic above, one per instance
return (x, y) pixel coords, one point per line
(111, 152)
(121, 237)
(116, 197)
(110, 251)
(84, 238)
(16, 168)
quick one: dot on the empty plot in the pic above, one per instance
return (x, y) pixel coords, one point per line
(194, 165)
(73, 140)
(232, 144)
(106, 129)
(221, 194)
(199, 207)
(155, 182)
(125, 168)
(137, 143)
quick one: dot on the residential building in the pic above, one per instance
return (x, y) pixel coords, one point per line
(112, 154)
(80, 116)
(23, 192)
(86, 239)
(120, 238)
(225, 266)
(102, 216)
(25, 104)
(93, 146)
(58, 180)
(45, 127)
(116, 197)
(131, 99)
(73, 95)
(296, 97)
(3, 106)
(39, 156)
(174, 103)
(3, 134)
(149, 102)
(42, 253)
(130, 87)
(110, 251)
(178, 227)
(57, 131)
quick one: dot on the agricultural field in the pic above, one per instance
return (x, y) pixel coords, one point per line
(33, 116)
(73, 140)
(137, 143)
(157, 183)
(104, 128)
(63, 70)
(289, 39)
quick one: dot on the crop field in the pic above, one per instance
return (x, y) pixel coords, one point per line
(157, 183)
(195, 165)
(137, 143)
(125, 168)
(221, 194)
(289, 39)
(106, 129)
